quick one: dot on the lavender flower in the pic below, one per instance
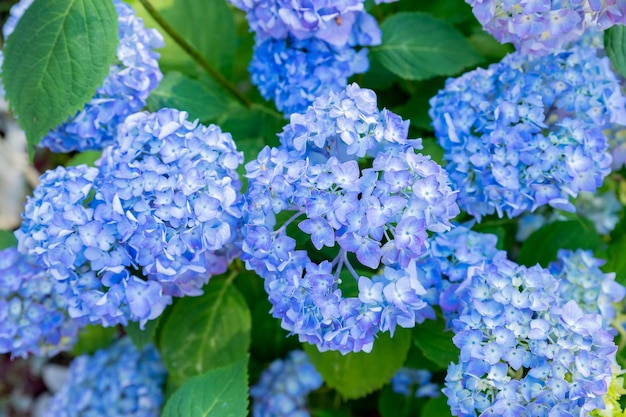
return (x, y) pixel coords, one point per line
(543, 26)
(528, 132)
(124, 91)
(283, 387)
(524, 350)
(33, 317)
(116, 381)
(379, 213)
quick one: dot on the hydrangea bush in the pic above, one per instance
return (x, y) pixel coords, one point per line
(317, 208)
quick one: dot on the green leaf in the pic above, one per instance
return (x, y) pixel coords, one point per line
(221, 392)
(269, 339)
(542, 246)
(417, 46)
(142, 337)
(615, 46)
(209, 26)
(70, 46)
(437, 407)
(435, 342)
(205, 332)
(85, 157)
(92, 338)
(205, 100)
(391, 404)
(7, 239)
(357, 374)
(616, 261)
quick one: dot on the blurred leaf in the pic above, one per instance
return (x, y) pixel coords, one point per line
(417, 46)
(391, 404)
(437, 407)
(142, 337)
(205, 100)
(357, 374)
(435, 342)
(92, 338)
(616, 259)
(416, 360)
(68, 56)
(221, 392)
(7, 239)
(615, 46)
(269, 339)
(205, 332)
(85, 157)
(542, 246)
(489, 47)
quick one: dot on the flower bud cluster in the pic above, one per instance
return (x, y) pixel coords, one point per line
(283, 387)
(117, 381)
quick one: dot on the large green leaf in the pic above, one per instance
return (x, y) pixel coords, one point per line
(58, 55)
(7, 239)
(417, 46)
(542, 246)
(92, 338)
(616, 261)
(221, 392)
(436, 343)
(357, 374)
(615, 46)
(141, 337)
(205, 332)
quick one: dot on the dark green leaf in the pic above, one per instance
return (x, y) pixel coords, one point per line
(205, 332)
(436, 343)
(142, 337)
(391, 404)
(221, 392)
(269, 339)
(437, 407)
(7, 239)
(70, 46)
(542, 246)
(86, 157)
(205, 100)
(417, 46)
(616, 260)
(357, 374)
(92, 338)
(615, 46)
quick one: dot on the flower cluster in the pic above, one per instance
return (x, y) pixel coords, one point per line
(524, 351)
(414, 382)
(375, 213)
(124, 91)
(525, 133)
(117, 381)
(156, 220)
(303, 49)
(283, 387)
(539, 27)
(33, 317)
(583, 281)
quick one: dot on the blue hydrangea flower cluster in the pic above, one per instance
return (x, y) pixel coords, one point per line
(157, 219)
(283, 387)
(117, 381)
(542, 26)
(33, 317)
(524, 350)
(124, 91)
(583, 281)
(415, 382)
(304, 49)
(379, 214)
(527, 132)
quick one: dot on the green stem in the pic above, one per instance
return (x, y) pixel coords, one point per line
(195, 54)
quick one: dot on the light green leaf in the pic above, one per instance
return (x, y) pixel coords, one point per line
(221, 392)
(85, 157)
(542, 246)
(417, 46)
(142, 337)
(70, 45)
(92, 338)
(357, 374)
(436, 343)
(205, 100)
(205, 332)
(615, 46)
(7, 239)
